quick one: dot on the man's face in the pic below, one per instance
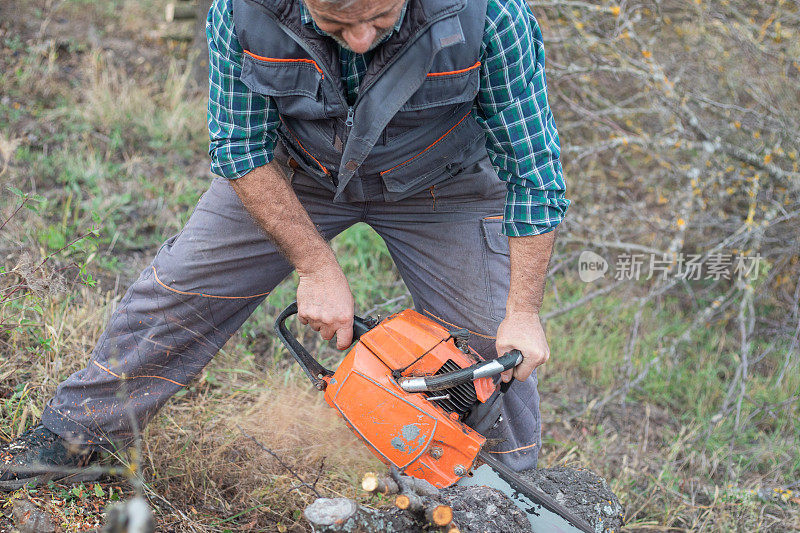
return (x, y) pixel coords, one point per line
(360, 26)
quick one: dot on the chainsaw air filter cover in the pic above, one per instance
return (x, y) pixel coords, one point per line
(423, 438)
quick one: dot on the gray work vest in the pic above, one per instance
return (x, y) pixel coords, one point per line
(411, 125)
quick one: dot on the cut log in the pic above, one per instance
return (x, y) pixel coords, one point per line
(408, 484)
(441, 515)
(338, 515)
(422, 487)
(181, 11)
(408, 502)
(379, 484)
(174, 35)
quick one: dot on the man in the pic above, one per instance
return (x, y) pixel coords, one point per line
(426, 119)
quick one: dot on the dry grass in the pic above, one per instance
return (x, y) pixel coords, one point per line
(199, 459)
(144, 111)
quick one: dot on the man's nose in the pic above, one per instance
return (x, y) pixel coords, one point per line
(359, 37)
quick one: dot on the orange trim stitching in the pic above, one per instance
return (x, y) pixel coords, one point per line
(325, 170)
(429, 146)
(498, 217)
(203, 294)
(280, 60)
(516, 449)
(455, 326)
(134, 377)
(451, 72)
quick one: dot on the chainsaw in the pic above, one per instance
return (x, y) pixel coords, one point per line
(422, 400)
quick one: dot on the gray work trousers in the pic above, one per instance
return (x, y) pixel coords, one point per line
(204, 282)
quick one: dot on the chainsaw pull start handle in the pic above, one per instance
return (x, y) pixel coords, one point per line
(463, 375)
(313, 369)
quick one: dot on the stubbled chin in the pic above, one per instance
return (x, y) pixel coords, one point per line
(341, 42)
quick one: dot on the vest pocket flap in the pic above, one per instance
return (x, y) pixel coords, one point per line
(492, 231)
(281, 77)
(444, 88)
(442, 155)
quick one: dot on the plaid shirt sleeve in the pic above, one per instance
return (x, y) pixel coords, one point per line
(241, 124)
(521, 134)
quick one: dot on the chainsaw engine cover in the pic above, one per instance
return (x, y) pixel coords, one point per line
(423, 438)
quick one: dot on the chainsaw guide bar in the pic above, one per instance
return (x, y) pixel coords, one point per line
(544, 513)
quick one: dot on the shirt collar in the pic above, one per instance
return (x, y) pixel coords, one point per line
(305, 17)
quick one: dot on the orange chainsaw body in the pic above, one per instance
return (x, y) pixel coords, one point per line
(419, 436)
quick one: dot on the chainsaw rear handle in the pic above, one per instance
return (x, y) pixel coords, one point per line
(463, 375)
(313, 369)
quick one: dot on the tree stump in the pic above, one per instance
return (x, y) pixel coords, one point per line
(585, 493)
(484, 510)
(472, 509)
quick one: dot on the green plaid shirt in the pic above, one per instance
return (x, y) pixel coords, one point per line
(511, 105)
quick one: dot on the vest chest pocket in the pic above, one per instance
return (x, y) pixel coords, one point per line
(445, 88)
(294, 84)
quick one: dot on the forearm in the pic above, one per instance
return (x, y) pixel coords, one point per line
(269, 198)
(529, 259)
(521, 329)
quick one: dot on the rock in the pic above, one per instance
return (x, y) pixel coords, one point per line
(582, 491)
(30, 519)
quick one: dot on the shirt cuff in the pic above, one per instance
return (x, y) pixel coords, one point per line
(532, 214)
(232, 162)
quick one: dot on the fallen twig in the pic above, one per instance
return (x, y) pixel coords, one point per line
(286, 467)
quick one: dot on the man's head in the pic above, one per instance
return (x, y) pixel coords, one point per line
(358, 25)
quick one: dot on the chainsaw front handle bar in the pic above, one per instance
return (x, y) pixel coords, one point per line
(457, 377)
(313, 369)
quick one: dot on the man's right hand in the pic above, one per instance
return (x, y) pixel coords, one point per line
(324, 300)
(325, 303)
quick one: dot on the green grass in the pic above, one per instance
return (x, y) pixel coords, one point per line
(694, 441)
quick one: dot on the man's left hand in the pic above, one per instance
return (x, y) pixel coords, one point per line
(522, 331)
